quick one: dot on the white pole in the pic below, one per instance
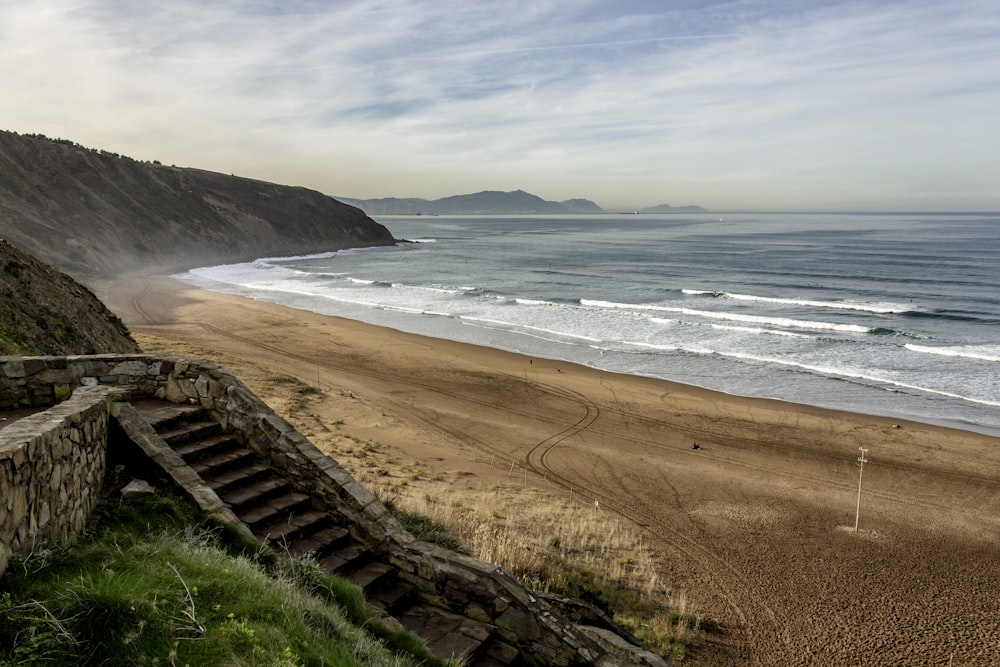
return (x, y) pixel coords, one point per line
(861, 472)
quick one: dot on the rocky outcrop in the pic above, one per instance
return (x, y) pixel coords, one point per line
(95, 214)
(44, 311)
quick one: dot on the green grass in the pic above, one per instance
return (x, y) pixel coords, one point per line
(422, 527)
(151, 585)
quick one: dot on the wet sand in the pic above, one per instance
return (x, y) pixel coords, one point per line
(757, 526)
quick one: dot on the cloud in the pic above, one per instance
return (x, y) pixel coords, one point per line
(727, 104)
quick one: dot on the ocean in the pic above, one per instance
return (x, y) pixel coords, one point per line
(894, 314)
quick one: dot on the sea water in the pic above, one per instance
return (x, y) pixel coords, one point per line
(892, 314)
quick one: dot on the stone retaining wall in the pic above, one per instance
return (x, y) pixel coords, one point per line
(52, 465)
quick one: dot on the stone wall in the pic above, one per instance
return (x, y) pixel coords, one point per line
(52, 465)
(28, 382)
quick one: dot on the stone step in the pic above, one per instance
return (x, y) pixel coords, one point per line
(321, 543)
(198, 450)
(372, 576)
(220, 463)
(288, 530)
(394, 597)
(447, 635)
(346, 560)
(188, 432)
(162, 415)
(238, 477)
(274, 510)
(241, 498)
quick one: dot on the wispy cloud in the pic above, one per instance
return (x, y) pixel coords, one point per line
(727, 104)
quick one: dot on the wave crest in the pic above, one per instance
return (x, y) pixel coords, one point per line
(980, 352)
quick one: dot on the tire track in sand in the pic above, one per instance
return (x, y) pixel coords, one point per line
(752, 633)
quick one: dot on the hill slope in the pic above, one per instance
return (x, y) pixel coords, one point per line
(95, 214)
(43, 311)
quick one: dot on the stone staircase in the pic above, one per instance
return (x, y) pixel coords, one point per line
(287, 519)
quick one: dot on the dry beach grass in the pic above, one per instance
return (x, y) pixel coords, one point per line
(753, 533)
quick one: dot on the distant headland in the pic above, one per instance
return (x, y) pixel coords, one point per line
(487, 202)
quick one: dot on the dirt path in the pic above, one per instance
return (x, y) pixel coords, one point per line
(757, 526)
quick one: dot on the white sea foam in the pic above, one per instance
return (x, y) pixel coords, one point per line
(772, 321)
(526, 329)
(561, 334)
(596, 303)
(981, 352)
(319, 275)
(759, 330)
(833, 371)
(653, 346)
(534, 302)
(294, 258)
(881, 308)
(734, 317)
(427, 288)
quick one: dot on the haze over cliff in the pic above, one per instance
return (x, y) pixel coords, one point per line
(96, 215)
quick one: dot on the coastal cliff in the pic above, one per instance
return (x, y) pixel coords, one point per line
(96, 215)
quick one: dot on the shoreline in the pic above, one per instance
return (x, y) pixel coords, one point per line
(756, 527)
(873, 411)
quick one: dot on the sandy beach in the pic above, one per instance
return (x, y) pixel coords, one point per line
(757, 526)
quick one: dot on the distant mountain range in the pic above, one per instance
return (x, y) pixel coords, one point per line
(517, 202)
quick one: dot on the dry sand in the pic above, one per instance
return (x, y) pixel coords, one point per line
(757, 527)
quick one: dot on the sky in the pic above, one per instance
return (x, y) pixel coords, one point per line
(731, 105)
